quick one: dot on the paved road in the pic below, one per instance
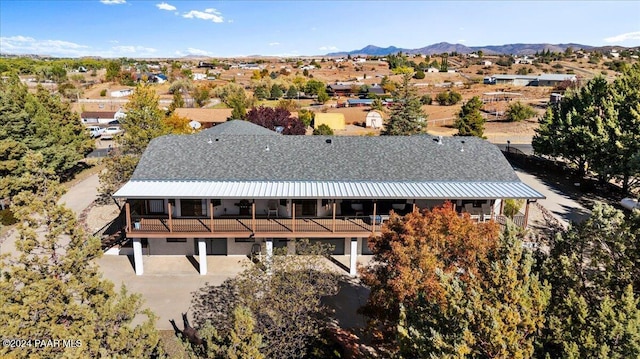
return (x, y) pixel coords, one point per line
(559, 204)
(82, 194)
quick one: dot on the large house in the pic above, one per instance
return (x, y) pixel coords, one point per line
(101, 117)
(238, 187)
(530, 80)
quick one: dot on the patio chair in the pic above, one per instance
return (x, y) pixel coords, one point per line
(272, 208)
(486, 212)
(358, 209)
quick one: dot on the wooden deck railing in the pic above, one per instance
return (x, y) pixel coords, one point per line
(349, 224)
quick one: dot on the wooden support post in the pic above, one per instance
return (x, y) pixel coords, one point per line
(373, 225)
(501, 206)
(170, 217)
(293, 216)
(127, 210)
(253, 216)
(413, 206)
(526, 215)
(333, 224)
(211, 216)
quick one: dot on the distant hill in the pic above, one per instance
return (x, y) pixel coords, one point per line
(442, 47)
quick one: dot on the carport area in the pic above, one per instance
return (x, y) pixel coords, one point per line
(169, 281)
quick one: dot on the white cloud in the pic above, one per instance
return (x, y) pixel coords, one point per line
(28, 45)
(130, 49)
(114, 41)
(208, 14)
(113, 2)
(624, 37)
(165, 6)
(462, 41)
(192, 51)
(230, 21)
(274, 43)
(328, 48)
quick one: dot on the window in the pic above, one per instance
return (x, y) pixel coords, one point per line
(216, 202)
(176, 240)
(156, 206)
(192, 207)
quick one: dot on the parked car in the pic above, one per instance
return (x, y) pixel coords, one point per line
(630, 203)
(95, 131)
(111, 132)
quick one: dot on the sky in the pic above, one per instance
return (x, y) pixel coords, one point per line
(161, 29)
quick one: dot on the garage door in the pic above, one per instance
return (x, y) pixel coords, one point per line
(365, 246)
(215, 247)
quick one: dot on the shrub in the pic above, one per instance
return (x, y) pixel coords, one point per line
(306, 117)
(512, 207)
(518, 111)
(7, 218)
(323, 130)
(426, 100)
(448, 98)
(103, 93)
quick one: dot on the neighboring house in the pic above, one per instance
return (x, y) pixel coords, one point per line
(375, 89)
(357, 102)
(207, 117)
(101, 117)
(122, 93)
(525, 60)
(554, 79)
(158, 78)
(335, 121)
(374, 120)
(532, 80)
(199, 76)
(487, 63)
(238, 188)
(340, 89)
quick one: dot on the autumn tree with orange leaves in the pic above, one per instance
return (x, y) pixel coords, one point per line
(446, 286)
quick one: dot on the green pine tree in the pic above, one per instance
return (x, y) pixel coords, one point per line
(470, 121)
(38, 122)
(593, 269)
(406, 115)
(143, 122)
(52, 290)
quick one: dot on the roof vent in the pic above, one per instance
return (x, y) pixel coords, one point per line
(279, 129)
(462, 148)
(210, 142)
(266, 148)
(440, 140)
(328, 140)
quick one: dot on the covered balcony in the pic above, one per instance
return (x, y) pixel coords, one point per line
(293, 218)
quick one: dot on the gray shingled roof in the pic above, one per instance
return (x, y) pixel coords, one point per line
(223, 156)
(237, 127)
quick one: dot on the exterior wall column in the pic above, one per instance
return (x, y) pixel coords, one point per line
(353, 259)
(202, 255)
(137, 256)
(526, 215)
(269, 256)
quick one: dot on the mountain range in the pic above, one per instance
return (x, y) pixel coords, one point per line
(445, 47)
